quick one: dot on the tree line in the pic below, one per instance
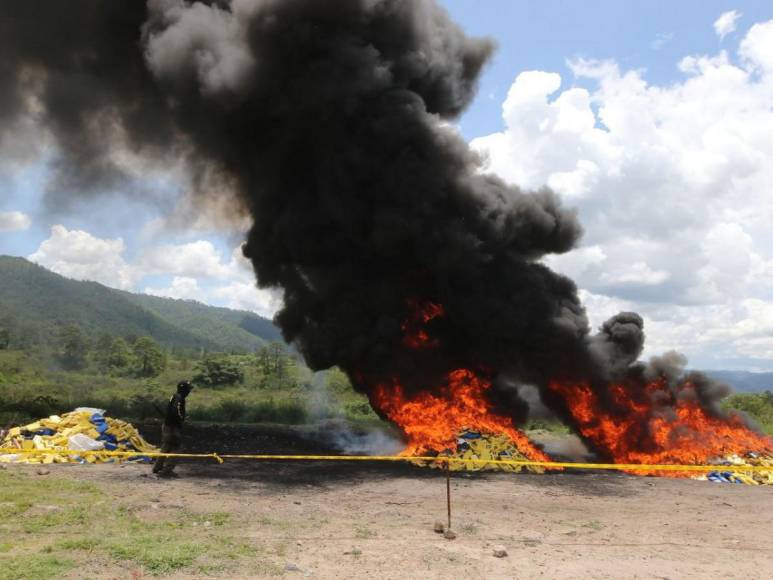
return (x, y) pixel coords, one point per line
(143, 357)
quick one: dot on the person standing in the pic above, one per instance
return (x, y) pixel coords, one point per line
(171, 432)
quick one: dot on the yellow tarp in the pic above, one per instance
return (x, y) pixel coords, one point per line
(485, 447)
(127, 438)
(731, 470)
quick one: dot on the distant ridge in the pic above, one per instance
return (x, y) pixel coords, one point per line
(40, 302)
(744, 381)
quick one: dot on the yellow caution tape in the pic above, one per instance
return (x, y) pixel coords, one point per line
(220, 458)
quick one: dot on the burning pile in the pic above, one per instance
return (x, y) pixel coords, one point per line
(80, 430)
(457, 420)
(484, 452)
(330, 124)
(657, 423)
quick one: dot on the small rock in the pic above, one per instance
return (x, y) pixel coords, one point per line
(207, 524)
(439, 527)
(43, 471)
(297, 503)
(449, 535)
(290, 567)
(499, 552)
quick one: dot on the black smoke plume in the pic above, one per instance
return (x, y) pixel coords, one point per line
(329, 121)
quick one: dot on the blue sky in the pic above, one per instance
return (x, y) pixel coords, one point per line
(652, 35)
(649, 117)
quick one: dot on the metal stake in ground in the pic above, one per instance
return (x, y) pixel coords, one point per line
(449, 534)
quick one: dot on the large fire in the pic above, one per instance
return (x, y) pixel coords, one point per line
(432, 421)
(656, 425)
(629, 423)
(433, 418)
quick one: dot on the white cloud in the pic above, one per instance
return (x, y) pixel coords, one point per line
(14, 221)
(181, 288)
(636, 273)
(199, 259)
(247, 296)
(726, 23)
(78, 254)
(757, 46)
(673, 187)
(242, 292)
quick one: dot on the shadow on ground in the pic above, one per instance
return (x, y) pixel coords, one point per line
(285, 475)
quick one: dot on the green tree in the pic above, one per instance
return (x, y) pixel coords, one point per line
(75, 347)
(150, 357)
(101, 351)
(120, 356)
(7, 332)
(275, 365)
(758, 405)
(216, 371)
(338, 382)
(264, 360)
(278, 357)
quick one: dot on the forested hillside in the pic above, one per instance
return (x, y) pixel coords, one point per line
(35, 304)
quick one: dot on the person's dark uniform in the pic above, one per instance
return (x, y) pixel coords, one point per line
(171, 433)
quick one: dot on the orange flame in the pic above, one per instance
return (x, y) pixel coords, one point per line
(432, 421)
(638, 430)
(420, 313)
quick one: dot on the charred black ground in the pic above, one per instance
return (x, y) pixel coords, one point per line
(328, 122)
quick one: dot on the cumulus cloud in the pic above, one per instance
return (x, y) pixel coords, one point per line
(672, 184)
(247, 296)
(78, 254)
(242, 292)
(181, 288)
(726, 23)
(199, 259)
(757, 47)
(14, 221)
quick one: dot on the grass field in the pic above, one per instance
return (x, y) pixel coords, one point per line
(49, 527)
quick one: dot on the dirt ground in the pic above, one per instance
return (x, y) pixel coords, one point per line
(370, 520)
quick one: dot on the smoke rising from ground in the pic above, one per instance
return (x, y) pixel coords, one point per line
(328, 122)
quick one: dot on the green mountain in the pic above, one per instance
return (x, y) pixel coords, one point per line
(38, 303)
(745, 381)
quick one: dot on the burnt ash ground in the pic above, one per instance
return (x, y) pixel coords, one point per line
(289, 440)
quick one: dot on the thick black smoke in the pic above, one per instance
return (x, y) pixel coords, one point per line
(328, 121)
